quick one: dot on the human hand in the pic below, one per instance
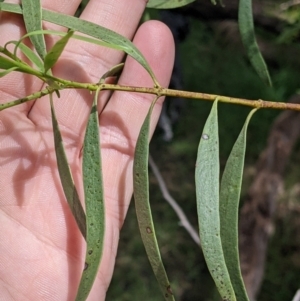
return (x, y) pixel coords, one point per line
(41, 249)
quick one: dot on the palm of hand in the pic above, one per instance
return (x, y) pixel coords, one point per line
(42, 250)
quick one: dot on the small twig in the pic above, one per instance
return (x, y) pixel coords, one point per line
(182, 217)
(159, 91)
(203, 96)
(19, 101)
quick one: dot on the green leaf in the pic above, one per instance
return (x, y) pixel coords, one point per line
(142, 206)
(165, 4)
(10, 60)
(66, 175)
(229, 206)
(32, 14)
(94, 202)
(54, 53)
(3, 73)
(245, 18)
(29, 54)
(6, 63)
(113, 39)
(115, 70)
(207, 193)
(62, 34)
(12, 8)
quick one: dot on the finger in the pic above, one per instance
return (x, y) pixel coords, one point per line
(87, 63)
(123, 116)
(122, 17)
(120, 124)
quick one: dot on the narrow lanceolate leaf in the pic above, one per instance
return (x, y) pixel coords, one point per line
(12, 8)
(62, 34)
(113, 39)
(94, 203)
(54, 53)
(229, 205)
(29, 54)
(116, 40)
(66, 176)
(6, 63)
(164, 4)
(114, 71)
(143, 210)
(32, 14)
(246, 26)
(5, 72)
(9, 60)
(207, 193)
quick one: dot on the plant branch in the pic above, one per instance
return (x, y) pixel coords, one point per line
(204, 96)
(184, 94)
(165, 192)
(19, 101)
(159, 91)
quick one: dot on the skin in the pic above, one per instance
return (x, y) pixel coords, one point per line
(42, 251)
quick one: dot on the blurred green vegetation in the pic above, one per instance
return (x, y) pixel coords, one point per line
(212, 67)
